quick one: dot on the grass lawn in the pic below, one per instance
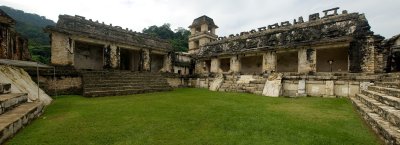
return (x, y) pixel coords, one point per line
(197, 117)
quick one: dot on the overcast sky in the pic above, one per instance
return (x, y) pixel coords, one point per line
(232, 16)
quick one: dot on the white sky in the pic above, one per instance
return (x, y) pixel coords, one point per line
(232, 16)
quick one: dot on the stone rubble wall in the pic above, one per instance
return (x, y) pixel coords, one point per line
(291, 85)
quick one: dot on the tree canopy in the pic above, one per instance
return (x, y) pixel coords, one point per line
(178, 38)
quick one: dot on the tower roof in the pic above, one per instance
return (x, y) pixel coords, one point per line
(203, 20)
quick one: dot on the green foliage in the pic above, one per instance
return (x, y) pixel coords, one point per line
(197, 117)
(41, 53)
(178, 39)
(31, 26)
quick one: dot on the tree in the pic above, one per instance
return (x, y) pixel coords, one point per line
(178, 39)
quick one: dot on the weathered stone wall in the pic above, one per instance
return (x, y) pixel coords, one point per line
(65, 81)
(294, 85)
(350, 30)
(62, 52)
(12, 44)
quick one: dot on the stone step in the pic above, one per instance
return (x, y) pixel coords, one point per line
(122, 83)
(123, 92)
(395, 85)
(5, 88)
(258, 81)
(95, 85)
(12, 121)
(390, 114)
(139, 87)
(388, 100)
(10, 101)
(123, 79)
(120, 74)
(388, 132)
(384, 90)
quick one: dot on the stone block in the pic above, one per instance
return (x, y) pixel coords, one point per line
(273, 85)
(301, 88)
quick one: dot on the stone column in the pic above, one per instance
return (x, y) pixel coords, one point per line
(199, 67)
(269, 62)
(215, 64)
(329, 89)
(307, 60)
(368, 61)
(301, 88)
(235, 64)
(114, 56)
(167, 63)
(146, 60)
(62, 50)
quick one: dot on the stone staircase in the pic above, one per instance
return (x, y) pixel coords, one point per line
(111, 83)
(380, 107)
(234, 83)
(16, 112)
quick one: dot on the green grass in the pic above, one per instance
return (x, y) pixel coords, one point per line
(197, 117)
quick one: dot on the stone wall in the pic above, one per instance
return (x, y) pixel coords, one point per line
(66, 81)
(346, 30)
(12, 44)
(294, 85)
(85, 44)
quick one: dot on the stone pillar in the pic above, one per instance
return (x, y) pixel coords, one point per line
(107, 56)
(307, 60)
(212, 30)
(62, 50)
(204, 28)
(329, 89)
(167, 63)
(368, 61)
(215, 63)
(269, 62)
(146, 59)
(301, 88)
(235, 64)
(199, 67)
(114, 56)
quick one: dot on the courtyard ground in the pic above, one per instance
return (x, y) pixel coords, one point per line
(197, 117)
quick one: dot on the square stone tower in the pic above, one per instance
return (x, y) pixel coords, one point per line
(202, 31)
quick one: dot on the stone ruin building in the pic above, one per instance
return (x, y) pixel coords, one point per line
(333, 54)
(89, 45)
(89, 56)
(330, 55)
(12, 44)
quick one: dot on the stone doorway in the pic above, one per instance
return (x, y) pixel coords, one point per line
(207, 66)
(251, 64)
(129, 59)
(225, 64)
(88, 56)
(157, 62)
(333, 60)
(287, 61)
